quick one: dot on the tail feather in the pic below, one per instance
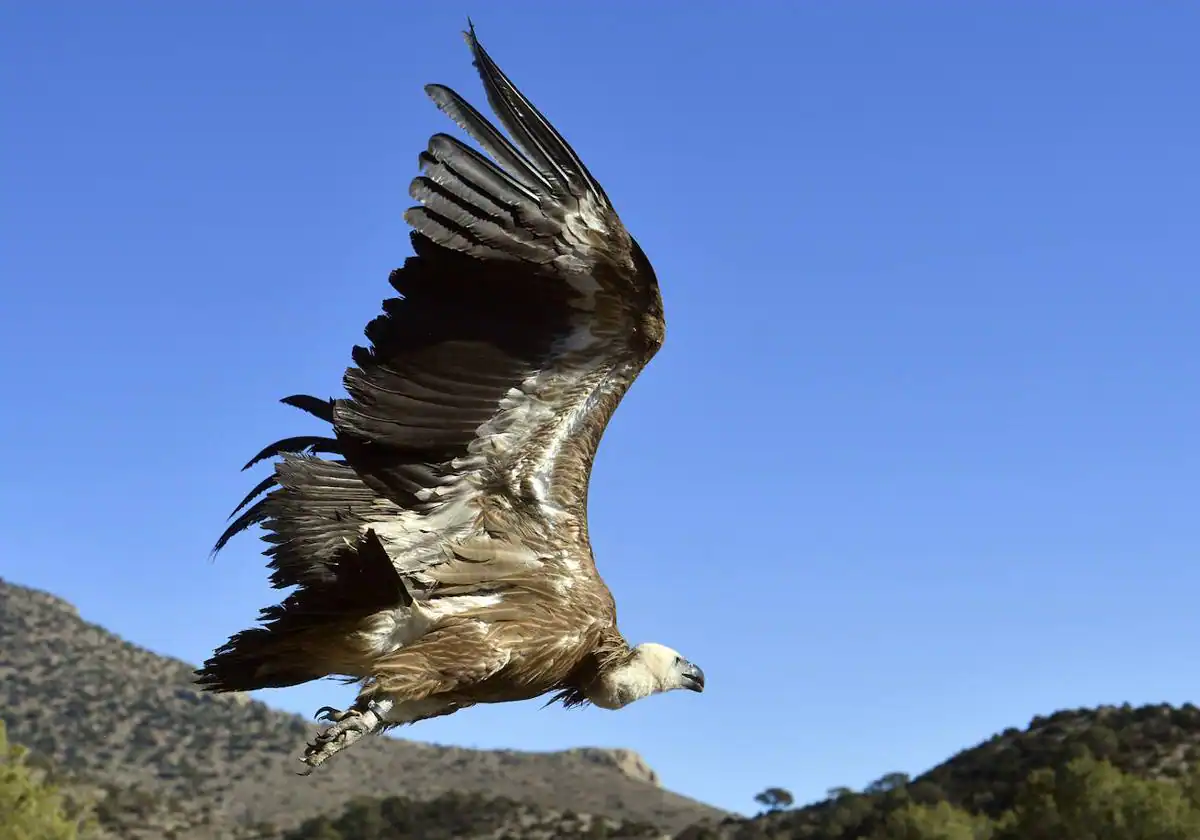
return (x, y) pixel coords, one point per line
(309, 635)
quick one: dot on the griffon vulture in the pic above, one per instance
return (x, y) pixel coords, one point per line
(440, 554)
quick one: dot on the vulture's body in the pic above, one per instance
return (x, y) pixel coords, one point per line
(437, 539)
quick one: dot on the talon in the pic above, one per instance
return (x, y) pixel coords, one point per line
(335, 715)
(347, 728)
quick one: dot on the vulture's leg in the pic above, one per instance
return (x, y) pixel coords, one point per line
(363, 718)
(424, 676)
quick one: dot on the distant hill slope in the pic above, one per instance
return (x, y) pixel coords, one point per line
(1155, 741)
(1147, 742)
(98, 706)
(111, 812)
(969, 795)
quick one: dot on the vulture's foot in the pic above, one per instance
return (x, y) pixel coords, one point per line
(347, 728)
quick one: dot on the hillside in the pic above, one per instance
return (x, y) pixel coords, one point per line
(1156, 741)
(110, 812)
(1151, 744)
(116, 715)
(1087, 774)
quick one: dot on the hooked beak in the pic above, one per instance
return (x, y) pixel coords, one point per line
(693, 678)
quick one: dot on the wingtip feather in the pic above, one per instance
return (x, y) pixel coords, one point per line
(551, 155)
(317, 407)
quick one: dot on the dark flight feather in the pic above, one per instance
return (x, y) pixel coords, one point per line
(299, 443)
(555, 159)
(260, 488)
(319, 408)
(487, 136)
(471, 176)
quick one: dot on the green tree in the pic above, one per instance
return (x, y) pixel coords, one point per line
(1088, 799)
(890, 782)
(29, 807)
(775, 799)
(1190, 785)
(846, 815)
(934, 822)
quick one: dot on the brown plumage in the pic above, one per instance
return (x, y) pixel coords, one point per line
(441, 556)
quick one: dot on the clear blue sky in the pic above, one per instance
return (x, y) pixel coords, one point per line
(918, 461)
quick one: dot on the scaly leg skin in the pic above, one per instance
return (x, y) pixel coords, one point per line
(348, 727)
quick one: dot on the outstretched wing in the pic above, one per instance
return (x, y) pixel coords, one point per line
(475, 413)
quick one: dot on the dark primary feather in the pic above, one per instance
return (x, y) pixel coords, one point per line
(555, 158)
(300, 443)
(321, 409)
(260, 488)
(516, 165)
(474, 179)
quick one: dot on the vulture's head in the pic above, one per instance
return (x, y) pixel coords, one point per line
(651, 669)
